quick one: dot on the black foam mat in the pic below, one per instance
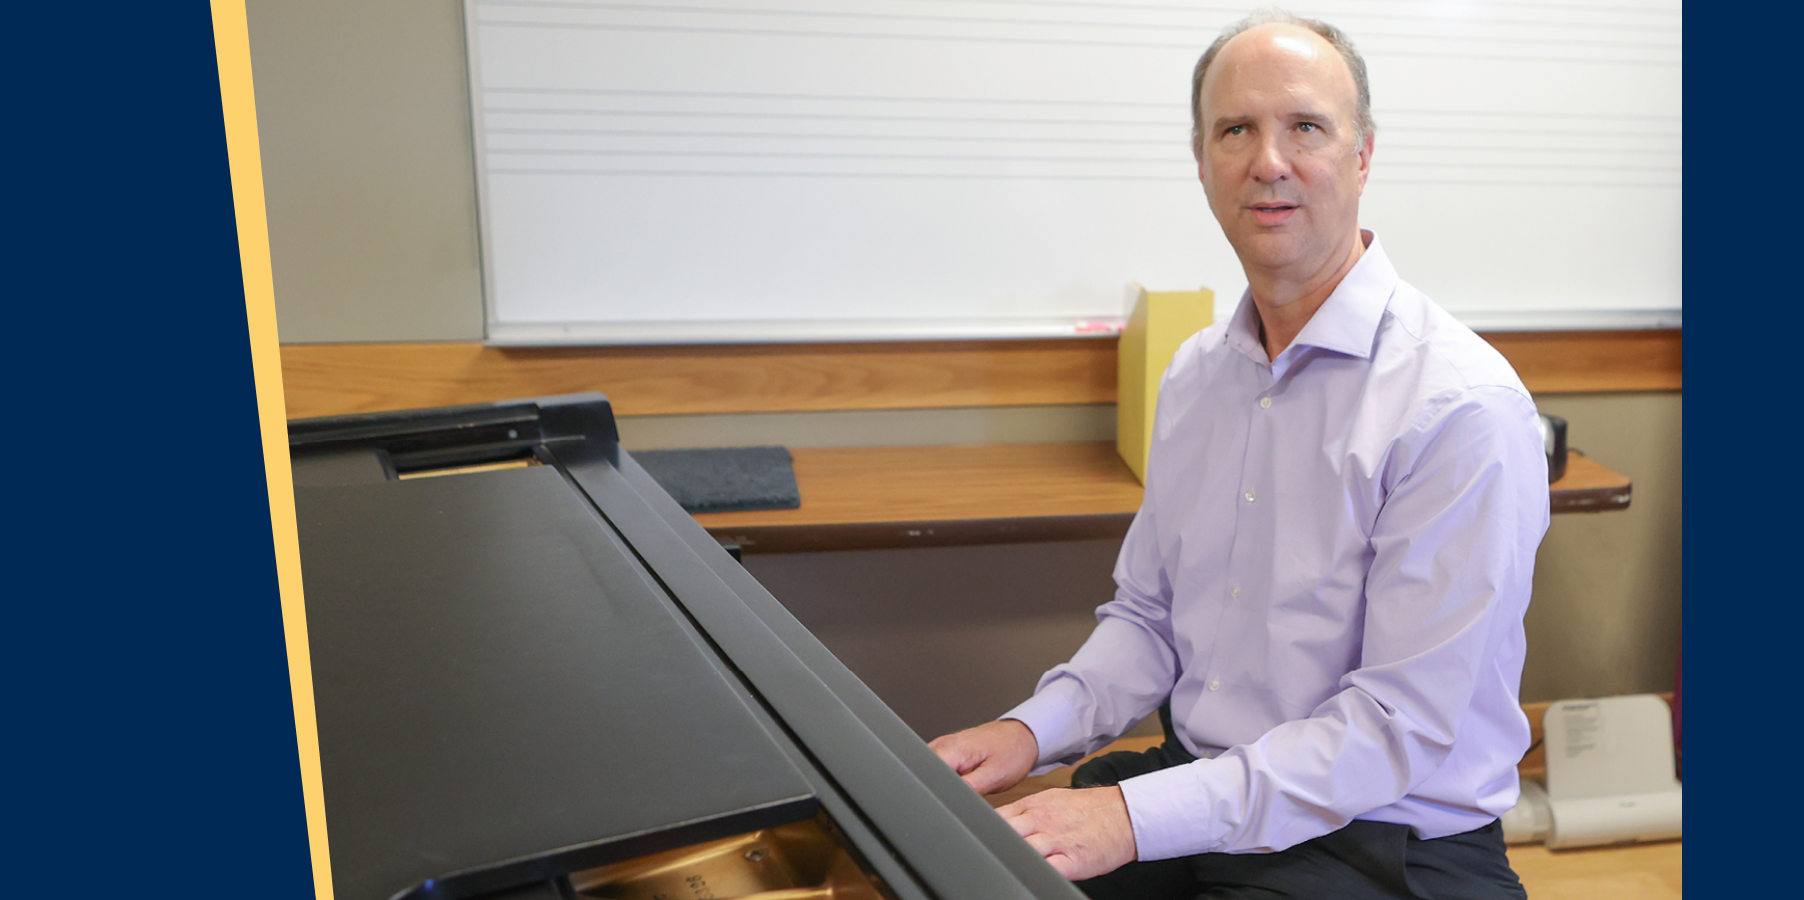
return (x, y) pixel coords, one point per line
(725, 479)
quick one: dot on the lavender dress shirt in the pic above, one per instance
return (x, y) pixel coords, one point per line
(1327, 577)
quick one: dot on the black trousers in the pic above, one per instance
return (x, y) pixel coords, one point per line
(1363, 860)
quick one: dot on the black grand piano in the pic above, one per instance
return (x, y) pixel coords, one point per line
(536, 677)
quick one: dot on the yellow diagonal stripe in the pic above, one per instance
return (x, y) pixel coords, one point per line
(238, 99)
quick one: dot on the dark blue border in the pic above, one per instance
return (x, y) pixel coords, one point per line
(153, 726)
(152, 717)
(1743, 642)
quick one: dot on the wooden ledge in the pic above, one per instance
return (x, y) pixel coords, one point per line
(882, 497)
(335, 379)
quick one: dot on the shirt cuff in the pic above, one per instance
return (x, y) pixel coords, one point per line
(1173, 812)
(1051, 715)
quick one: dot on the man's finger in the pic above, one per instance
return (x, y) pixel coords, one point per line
(1022, 824)
(1062, 864)
(1045, 846)
(978, 775)
(953, 755)
(987, 778)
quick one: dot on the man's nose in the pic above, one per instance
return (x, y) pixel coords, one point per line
(1269, 162)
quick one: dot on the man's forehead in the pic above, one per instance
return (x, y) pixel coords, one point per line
(1282, 38)
(1281, 50)
(1299, 43)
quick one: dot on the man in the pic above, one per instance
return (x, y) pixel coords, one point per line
(1326, 582)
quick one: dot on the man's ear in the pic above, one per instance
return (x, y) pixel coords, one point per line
(1365, 161)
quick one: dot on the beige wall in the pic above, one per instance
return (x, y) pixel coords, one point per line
(1606, 612)
(364, 117)
(363, 111)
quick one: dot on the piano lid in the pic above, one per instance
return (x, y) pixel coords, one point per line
(503, 692)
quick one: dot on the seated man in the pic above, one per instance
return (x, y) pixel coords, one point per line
(1327, 578)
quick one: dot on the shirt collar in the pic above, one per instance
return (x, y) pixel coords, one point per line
(1347, 321)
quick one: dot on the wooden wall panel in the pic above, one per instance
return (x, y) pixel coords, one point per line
(332, 379)
(1573, 362)
(342, 378)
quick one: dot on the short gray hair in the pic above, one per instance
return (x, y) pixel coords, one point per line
(1363, 126)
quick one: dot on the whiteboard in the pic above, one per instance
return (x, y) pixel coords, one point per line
(792, 170)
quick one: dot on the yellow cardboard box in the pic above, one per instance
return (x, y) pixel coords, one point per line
(1158, 323)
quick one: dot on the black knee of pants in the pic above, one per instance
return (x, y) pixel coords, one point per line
(1366, 861)
(1363, 860)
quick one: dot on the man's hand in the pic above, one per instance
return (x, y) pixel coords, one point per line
(992, 757)
(1083, 833)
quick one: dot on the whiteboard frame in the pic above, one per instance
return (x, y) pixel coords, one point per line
(797, 331)
(480, 153)
(596, 334)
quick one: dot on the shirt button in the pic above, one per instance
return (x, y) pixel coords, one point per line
(1250, 496)
(1235, 591)
(1215, 684)
(1265, 403)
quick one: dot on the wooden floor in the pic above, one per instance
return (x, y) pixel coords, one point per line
(1631, 872)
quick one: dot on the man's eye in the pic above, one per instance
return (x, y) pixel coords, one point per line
(1306, 126)
(1237, 129)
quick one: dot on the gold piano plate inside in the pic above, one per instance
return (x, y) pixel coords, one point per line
(470, 469)
(800, 861)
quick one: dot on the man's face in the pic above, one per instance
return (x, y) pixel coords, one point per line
(1277, 153)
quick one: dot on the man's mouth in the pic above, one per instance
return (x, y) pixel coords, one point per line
(1272, 212)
